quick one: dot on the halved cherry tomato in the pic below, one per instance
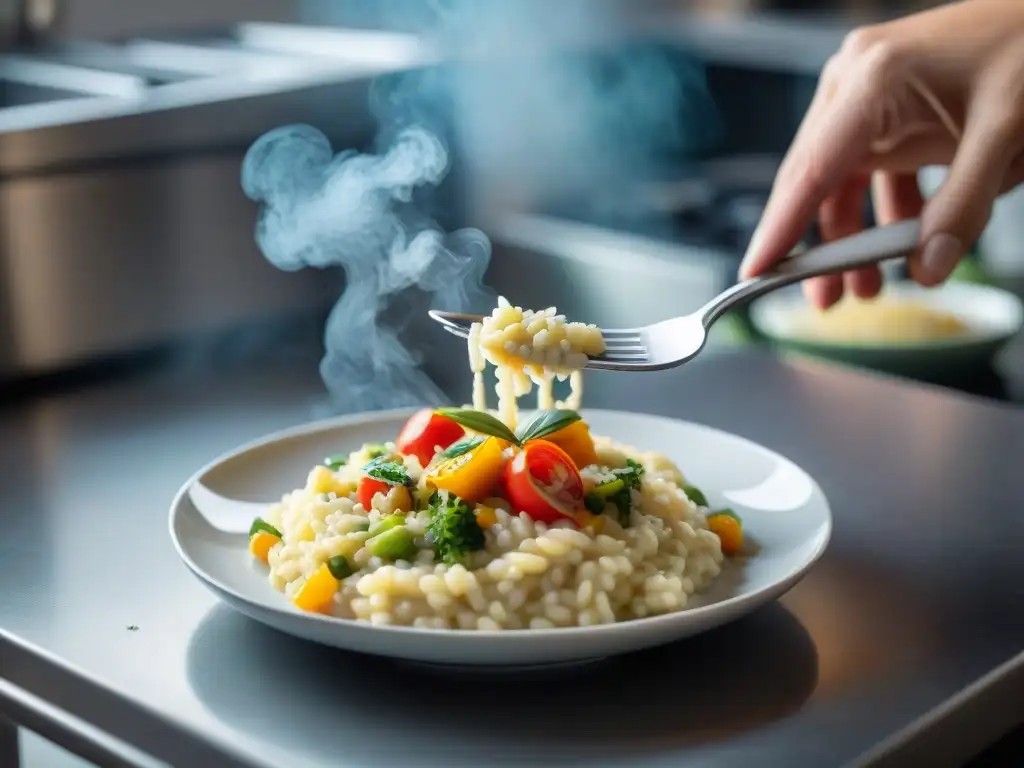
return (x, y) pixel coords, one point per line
(471, 476)
(543, 482)
(576, 441)
(368, 488)
(425, 433)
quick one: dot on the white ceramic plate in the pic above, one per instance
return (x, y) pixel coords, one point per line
(785, 514)
(993, 316)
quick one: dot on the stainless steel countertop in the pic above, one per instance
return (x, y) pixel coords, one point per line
(918, 598)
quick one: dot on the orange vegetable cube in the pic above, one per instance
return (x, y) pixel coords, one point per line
(486, 517)
(261, 543)
(318, 591)
(576, 441)
(728, 528)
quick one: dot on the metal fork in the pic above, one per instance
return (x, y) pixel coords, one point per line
(673, 342)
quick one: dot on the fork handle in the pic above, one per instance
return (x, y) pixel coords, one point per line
(871, 246)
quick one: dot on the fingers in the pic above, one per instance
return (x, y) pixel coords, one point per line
(841, 215)
(956, 216)
(832, 142)
(896, 196)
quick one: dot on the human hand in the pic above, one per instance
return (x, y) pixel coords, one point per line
(942, 87)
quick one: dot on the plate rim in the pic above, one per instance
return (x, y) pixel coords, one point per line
(760, 596)
(759, 318)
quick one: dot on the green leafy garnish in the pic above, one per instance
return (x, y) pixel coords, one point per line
(339, 567)
(259, 524)
(453, 530)
(390, 472)
(547, 423)
(336, 461)
(478, 421)
(461, 447)
(695, 495)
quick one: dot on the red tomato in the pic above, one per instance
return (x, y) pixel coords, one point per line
(368, 488)
(543, 482)
(426, 433)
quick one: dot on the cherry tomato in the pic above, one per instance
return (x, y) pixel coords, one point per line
(426, 433)
(543, 482)
(368, 488)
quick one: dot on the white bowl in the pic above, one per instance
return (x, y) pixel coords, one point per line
(992, 316)
(785, 514)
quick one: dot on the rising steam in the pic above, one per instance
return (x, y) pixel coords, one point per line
(529, 120)
(322, 209)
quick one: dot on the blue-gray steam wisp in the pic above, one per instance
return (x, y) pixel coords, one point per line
(525, 114)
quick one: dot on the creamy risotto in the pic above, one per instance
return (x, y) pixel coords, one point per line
(879, 321)
(472, 520)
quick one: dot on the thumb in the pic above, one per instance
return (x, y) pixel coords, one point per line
(956, 216)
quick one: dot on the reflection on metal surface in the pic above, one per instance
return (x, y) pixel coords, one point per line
(850, 650)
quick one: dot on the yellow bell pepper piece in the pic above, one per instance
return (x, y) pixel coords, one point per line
(261, 543)
(471, 476)
(322, 480)
(728, 528)
(318, 591)
(586, 519)
(576, 441)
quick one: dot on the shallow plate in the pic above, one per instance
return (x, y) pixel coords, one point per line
(993, 316)
(786, 516)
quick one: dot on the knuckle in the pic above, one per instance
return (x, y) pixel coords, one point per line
(872, 53)
(859, 41)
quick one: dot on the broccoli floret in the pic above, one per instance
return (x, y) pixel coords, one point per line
(452, 530)
(617, 491)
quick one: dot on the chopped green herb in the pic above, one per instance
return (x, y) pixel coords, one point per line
(547, 423)
(695, 495)
(390, 472)
(393, 544)
(597, 498)
(360, 527)
(630, 476)
(336, 461)
(259, 524)
(339, 567)
(478, 421)
(376, 450)
(453, 529)
(461, 447)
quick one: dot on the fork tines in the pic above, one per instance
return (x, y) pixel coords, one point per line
(623, 346)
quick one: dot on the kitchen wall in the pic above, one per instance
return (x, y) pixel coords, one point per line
(113, 18)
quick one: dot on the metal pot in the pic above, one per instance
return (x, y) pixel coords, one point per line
(26, 22)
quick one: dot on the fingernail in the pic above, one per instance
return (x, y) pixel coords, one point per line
(940, 256)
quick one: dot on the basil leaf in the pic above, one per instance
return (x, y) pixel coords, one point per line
(461, 447)
(478, 421)
(390, 472)
(547, 423)
(694, 494)
(336, 461)
(259, 524)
